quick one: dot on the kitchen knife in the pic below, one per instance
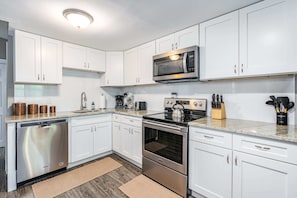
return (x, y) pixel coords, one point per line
(290, 105)
(222, 99)
(269, 102)
(213, 102)
(218, 101)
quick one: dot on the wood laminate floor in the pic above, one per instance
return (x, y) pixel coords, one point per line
(100, 187)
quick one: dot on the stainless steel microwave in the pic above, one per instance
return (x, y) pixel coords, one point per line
(178, 65)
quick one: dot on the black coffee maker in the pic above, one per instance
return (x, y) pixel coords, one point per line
(119, 101)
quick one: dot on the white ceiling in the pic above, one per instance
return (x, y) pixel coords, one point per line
(118, 24)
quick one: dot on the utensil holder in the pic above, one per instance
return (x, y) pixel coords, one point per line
(32, 108)
(218, 114)
(43, 109)
(282, 118)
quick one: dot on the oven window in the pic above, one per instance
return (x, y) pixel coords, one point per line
(165, 144)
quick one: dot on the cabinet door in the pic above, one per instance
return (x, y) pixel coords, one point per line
(74, 56)
(102, 137)
(145, 63)
(219, 47)
(130, 67)
(95, 60)
(116, 140)
(210, 170)
(114, 68)
(186, 38)
(136, 142)
(51, 61)
(126, 140)
(2, 104)
(165, 44)
(260, 177)
(27, 58)
(82, 142)
(268, 38)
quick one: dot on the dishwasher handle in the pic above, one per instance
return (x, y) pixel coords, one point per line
(40, 123)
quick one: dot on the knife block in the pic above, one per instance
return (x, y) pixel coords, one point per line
(219, 114)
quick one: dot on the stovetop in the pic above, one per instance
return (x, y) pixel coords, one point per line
(193, 109)
(170, 119)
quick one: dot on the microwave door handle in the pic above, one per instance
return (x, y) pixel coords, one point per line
(185, 62)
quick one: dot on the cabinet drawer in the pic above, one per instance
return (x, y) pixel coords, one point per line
(128, 120)
(281, 151)
(84, 120)
(217, 138)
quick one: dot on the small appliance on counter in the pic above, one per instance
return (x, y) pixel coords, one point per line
(282, 105)
(128, 101)
(218, 107)
(119, 99)
(140, 105)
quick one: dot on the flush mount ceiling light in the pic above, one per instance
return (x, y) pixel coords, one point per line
(78, 18)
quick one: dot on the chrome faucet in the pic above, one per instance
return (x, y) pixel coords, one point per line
(83, 100)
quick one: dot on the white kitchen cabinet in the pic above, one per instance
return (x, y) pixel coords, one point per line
(81, 143)
(210, 167)
(127, 137)
(114, 74)
(260, 177)
(102, 137)
(83, 58)
(230, 165)
(37, 59)
(219, 47)
(90, 136)
(116, 129)
(145, 63)
(138, 67)
(268, 38)
(182, 39)
(131, 66)
(266, 34)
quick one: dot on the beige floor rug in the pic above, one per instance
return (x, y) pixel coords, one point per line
(64, 182)
(142, 186)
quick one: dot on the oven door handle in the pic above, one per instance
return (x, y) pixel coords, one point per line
(162, 126)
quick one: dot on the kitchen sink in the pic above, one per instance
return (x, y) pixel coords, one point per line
(82, 111)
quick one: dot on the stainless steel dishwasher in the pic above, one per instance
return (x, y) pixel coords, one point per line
(42, 147)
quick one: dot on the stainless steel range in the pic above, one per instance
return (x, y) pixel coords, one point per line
(165, 142)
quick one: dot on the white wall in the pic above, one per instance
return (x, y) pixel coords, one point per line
(244, 98)
(66, 97)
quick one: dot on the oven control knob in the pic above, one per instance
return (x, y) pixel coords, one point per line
(200, 104)
(195, 104)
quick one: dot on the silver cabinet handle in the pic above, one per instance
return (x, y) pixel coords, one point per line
(235, 161)
(38, 77)
(234, 69)
(262, 148)
(208, 137)
(241, 68)
(172, 46)
(228, 159)
(175, 45)
(43, 77)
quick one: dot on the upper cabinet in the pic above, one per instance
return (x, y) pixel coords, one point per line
(266, 34)
(37, 59)
(83, 58)
(268, 38)
(182, 39)
(114, 69)
(219, 47)
(138, 64)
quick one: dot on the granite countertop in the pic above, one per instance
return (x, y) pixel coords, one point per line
(253, 128)
(35, 117)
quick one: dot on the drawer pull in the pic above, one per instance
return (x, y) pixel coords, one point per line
(208, 137)
(235, 161)
(262, 148)
(228, 159)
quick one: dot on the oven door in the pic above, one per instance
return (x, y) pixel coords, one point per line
(166, 144)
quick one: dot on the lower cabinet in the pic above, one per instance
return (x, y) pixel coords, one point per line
(238, 166)
(90, 135)
(127, 137)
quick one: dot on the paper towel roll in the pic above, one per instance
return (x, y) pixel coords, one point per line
(102, 102)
